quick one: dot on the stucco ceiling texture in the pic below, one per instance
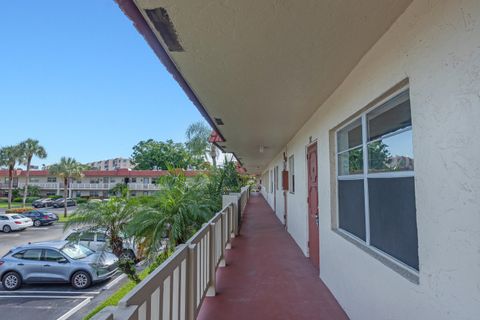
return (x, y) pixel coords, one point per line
(264, 67)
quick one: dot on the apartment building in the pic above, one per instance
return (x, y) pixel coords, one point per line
(94, 183)
(111, 164)
(360, 119)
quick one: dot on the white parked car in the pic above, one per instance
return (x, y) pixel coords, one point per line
(14, 221)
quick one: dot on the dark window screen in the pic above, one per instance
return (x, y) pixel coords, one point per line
(393, 224)
(351, 207)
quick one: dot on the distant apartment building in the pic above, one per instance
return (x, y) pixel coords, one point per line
(111, 164)
(94, 183)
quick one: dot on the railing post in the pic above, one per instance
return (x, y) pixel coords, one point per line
(211, 258)
(191, 282)
(229, 231)
(222, 262)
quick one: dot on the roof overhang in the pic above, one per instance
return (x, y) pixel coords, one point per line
(260, 67)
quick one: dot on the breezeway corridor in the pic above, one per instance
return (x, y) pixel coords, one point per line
(267, 276)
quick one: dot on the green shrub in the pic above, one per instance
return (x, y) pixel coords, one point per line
(29, 199)
(81, 200)
(3, 200)
(55, 197)
(19, 210)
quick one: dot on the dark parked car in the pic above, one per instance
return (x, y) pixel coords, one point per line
(54, 262)
(41, 218)
(42, 203)
(60, 203)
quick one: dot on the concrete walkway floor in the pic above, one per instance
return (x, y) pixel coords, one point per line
(267, 276)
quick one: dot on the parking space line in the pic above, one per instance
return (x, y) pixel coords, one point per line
(114, 282)
(52, 292)
(75, 309)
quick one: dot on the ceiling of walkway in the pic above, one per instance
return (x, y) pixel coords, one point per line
(264, 67)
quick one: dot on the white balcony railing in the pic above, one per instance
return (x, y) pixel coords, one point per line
(142, 186)
(108, 186)
(176, 289)
(85, 186)
(41, 185)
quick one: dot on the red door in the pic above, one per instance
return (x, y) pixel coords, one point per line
(313, 231)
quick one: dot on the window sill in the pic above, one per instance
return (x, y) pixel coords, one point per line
(405, 272)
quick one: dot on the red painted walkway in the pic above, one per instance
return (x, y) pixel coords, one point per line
(267, 276)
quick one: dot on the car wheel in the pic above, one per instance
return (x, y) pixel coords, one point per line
(11, 281)
(128, 254)
(37, 223)
(81, 280)
(7, 229)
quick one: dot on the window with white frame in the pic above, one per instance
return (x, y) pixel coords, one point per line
(291, 173)
(51, 179)
(34, 179)
(375, 180)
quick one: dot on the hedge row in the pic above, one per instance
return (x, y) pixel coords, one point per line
(19, 210)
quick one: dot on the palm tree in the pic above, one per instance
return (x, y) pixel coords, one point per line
(9, 157)
(30, 148)
(197, 143)
(65, 170)
(176, 213)
(113, 217)
(120, 190)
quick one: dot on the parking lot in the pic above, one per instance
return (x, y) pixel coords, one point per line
(48, 302)
(52, 302)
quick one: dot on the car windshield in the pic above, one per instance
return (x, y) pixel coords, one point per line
(76, 251)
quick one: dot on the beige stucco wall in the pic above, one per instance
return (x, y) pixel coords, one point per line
(436, 45)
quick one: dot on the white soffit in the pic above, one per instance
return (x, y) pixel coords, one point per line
(265, 66)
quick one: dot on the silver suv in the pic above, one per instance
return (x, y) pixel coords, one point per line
(97, 240)
(55, 262)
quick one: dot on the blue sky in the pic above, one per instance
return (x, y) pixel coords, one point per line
(77, 76)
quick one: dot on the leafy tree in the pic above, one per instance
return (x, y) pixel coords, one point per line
(233, 182)
(159, 155)
(378, 155)
(112, 216)
(65, 170)
(9, 157)
(198, 144)
(222, 180)
(378, 158)
(29, 149)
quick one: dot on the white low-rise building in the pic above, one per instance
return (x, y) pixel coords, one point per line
(93, 183)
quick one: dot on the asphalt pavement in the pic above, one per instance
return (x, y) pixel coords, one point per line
(49, 301)
(54, 301)
(32, 234)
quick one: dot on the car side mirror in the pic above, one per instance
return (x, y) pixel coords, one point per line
(63, 261)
